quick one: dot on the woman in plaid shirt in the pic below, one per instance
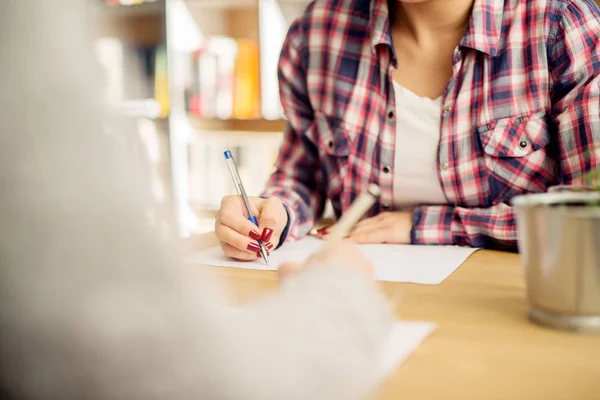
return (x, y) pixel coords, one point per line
(517, 84)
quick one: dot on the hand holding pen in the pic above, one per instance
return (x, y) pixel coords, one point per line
(240, 236)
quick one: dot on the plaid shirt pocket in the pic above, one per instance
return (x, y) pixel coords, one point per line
(516, 156)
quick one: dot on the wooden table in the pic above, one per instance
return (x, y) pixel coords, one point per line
(484, 346)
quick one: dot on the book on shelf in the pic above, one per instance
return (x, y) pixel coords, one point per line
(161, 81)
(223, 80)
(246, 93)
(136, 77)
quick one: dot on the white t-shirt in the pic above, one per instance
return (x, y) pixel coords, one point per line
(415, 170)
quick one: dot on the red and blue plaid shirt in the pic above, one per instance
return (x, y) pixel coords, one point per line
(521, 112)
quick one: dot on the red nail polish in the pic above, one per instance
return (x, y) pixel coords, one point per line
(260, 255)
(254, 235)
(324, 230)
(266, 235)
(269, 246)
(253, 247)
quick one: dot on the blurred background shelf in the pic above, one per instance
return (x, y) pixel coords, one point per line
(223, 58)
(237, 125)
(220, 4)
(195, 78)
(107, 10)
(137, 23)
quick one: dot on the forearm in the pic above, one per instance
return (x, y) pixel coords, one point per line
(297, 180)
(298, 183)
(574, 65)
(302, 207)
(491, 227)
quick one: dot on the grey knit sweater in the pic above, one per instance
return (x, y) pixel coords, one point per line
(91, 305)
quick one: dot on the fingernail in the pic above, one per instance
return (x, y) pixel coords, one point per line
(269, 246)
(253, 247)
(260, 255)
(323, 230)
(266, 235)
(254, 235)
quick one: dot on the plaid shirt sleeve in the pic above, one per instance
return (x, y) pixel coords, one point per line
(297, 180)
(574, 63)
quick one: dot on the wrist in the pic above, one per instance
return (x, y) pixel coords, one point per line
(286, 229)
(413, 232)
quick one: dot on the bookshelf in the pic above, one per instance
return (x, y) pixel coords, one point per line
(131, 45)
(224, 96)
(195, 78)
(237, 125)
(140, 23)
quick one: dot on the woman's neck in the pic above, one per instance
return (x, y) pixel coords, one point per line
(432, 21)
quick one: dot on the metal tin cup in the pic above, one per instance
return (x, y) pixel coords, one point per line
(559, 244)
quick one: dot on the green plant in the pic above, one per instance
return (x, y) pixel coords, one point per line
(592, 179)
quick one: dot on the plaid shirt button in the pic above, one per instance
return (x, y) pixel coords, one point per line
(444, 167)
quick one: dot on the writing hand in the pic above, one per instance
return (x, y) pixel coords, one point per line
(238, 236)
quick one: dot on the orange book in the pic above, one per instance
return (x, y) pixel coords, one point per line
(246, 92)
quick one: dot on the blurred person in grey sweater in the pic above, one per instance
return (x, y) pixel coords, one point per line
(91, 304)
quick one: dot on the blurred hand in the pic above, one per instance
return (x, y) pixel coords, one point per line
(238, 236)
(346, 254)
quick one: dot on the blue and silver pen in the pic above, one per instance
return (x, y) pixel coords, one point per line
(237, 181)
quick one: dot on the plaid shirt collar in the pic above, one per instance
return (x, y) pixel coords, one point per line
(380, 22)
(485, 26)
(483, 32)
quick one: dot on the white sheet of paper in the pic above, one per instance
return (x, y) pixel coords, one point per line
(392, 262)
(405, 337)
